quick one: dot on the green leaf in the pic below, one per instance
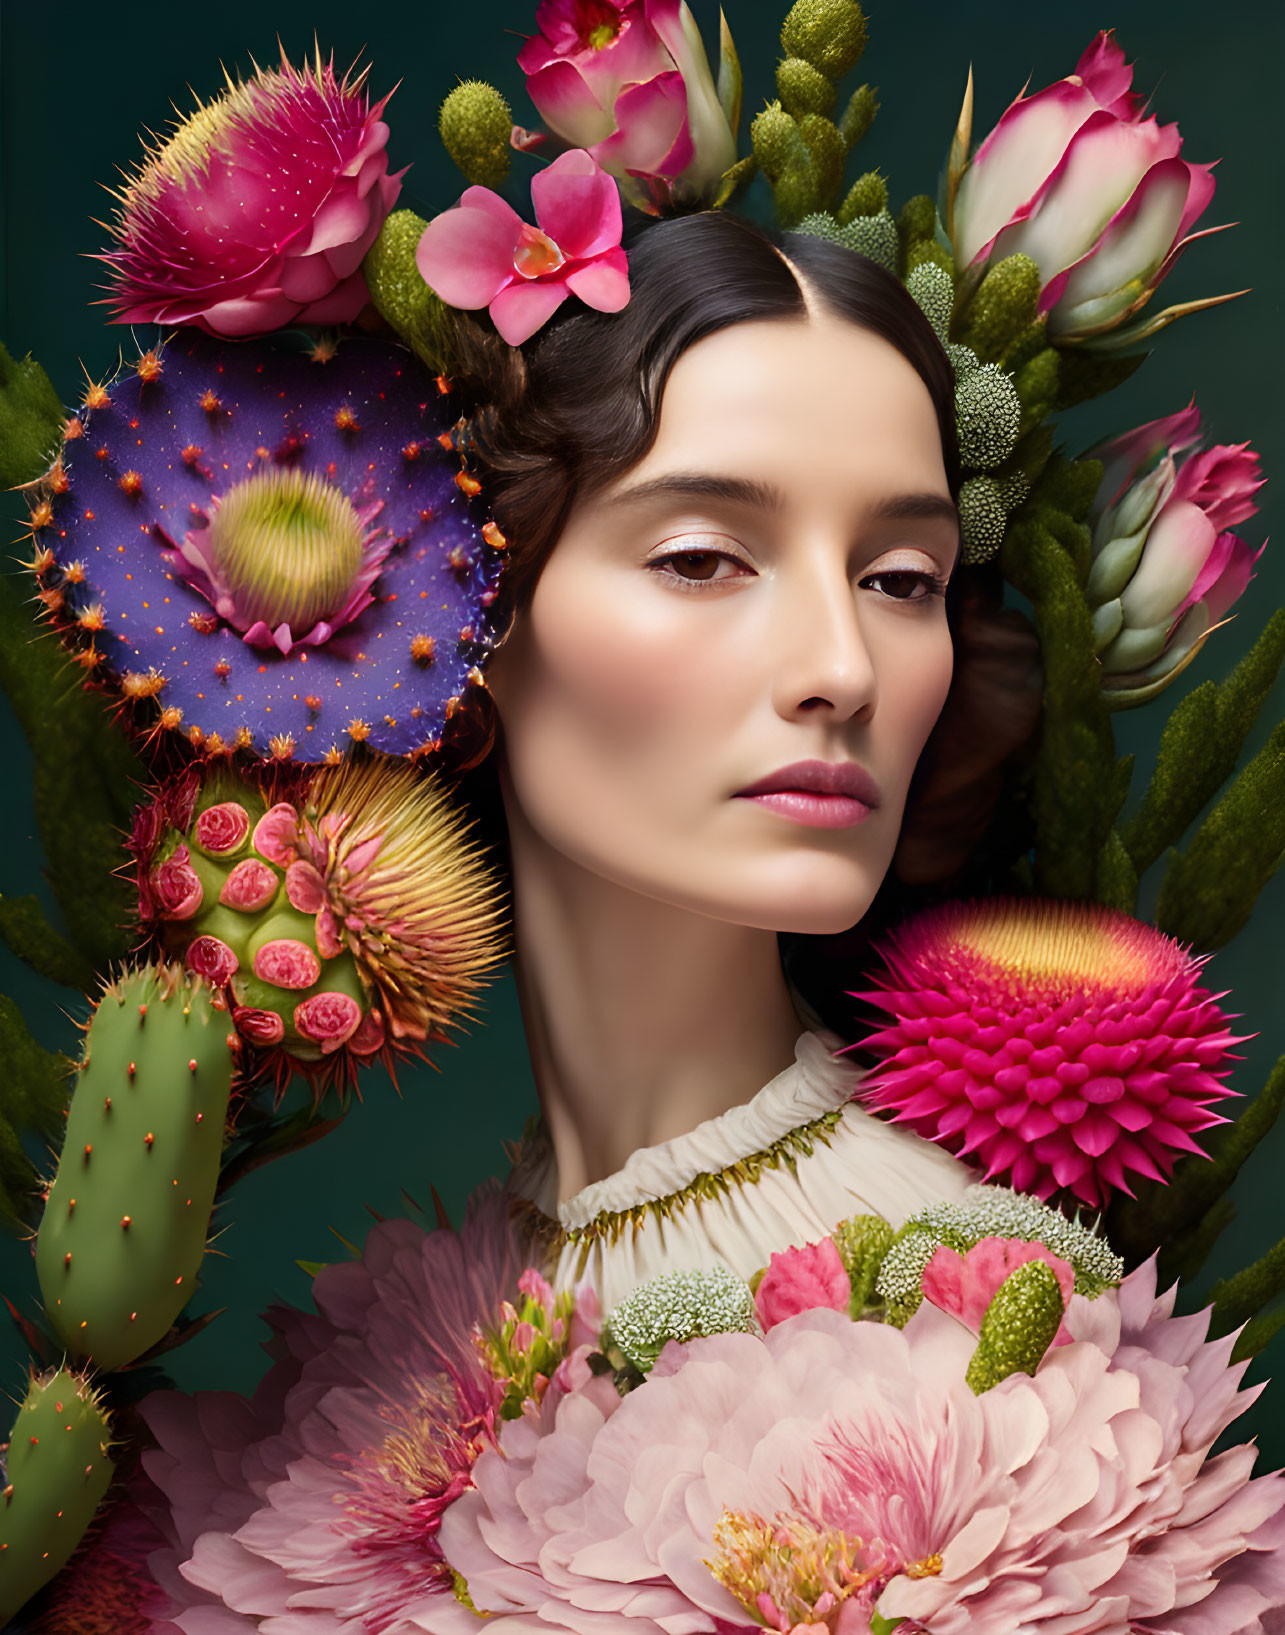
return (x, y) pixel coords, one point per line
(1210, 889)
(1236, 1299)
(1259, 1333)
(1116, 885)
(29, 935)
(1086, 375)
(1199, 746)
(85, 782)
(31, 421)
(34, 1093)
(731, 81)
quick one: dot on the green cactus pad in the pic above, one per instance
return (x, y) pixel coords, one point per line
(1019, 1326)
(57, 1471)
(124, 1229)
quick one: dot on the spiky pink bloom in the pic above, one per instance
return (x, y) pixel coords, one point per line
(328, 1488)
(1061, 1044)
(803, 1479)
(257, 211)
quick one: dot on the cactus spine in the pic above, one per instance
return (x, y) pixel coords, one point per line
(124, 1229)
(57, 1471)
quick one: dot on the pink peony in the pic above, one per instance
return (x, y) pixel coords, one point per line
(327, 1490)
(482, 254)
(629, 81)
(256, 213)
(964, 1285)
(834, 1468)
(800, 1280)
(1099, 198)
(1062, 1044)
(1166, 567)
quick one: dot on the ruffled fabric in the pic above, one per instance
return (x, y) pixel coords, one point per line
(778, 1172)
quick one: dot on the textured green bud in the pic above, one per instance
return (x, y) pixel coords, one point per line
(859, 115)
(1037, 380)
(31, 421)
(829, 154)
(1006, 304)
(680, 1306)
(830, 34)
(934, 290)
(963, 360)
(795, 194)
(983, 518)
(57, 1471)
(778, 146)
(867, 196)
(926, 252)
(987, 415)
(123, 1233)
(917, 219)
(803, 89)
(1019, 1326)
(871, 236)
(401, 296)
(862, 1243)
(475, 124)
(1013, 489)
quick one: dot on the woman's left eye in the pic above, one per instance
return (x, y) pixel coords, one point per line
(698, 567)
(905, 584)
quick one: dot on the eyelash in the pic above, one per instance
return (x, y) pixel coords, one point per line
(932, 584)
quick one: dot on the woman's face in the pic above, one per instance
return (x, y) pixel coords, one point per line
(736, 651)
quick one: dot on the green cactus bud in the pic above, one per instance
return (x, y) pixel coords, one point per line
(795, 194)
(475, 124)
(871, 236)
(983, 518)
(1019, 1326)
(862, 1243)
(934, 291)
(57, 1471)
(123, 1233)
(403, 299)
(828, 154)
(1037, 381)
(830, 34)
(778, 145)
(917, 219)
(867, 196)
(963, 360)
(987, 415)
(1013, 489)
(1004, 307)
(859, 115)
(926, 252)
(803, 89)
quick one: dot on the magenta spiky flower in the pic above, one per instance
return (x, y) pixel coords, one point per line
(256, 212)
(1061, 1044)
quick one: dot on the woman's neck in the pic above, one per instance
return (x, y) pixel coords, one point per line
(642, 1019)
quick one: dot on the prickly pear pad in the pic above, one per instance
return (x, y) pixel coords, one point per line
(124, 1228)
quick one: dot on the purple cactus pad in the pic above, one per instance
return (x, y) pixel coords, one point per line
(160, 452)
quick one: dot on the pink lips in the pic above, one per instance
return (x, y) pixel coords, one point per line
(822, 794)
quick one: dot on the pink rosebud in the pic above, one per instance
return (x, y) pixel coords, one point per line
(369, 1037)
(629, 81)
(250, 886)
(211, 958)
(328, 1019)
(276, 834)
(964, 1285)
(536, 1288)
(801, 1280)
(286, 963)
(221, 829)
(259, 209)
(176, 887)
(258, 1027)
(482, 254)
(1097, 196)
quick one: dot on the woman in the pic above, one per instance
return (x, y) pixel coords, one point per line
(731, 512)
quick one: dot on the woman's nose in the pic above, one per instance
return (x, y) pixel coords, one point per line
(825, 663)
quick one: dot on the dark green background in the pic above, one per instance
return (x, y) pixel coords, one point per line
(81, 81)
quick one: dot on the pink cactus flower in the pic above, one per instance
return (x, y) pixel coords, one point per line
(964, 1285)
(629, 81)
(1060, 1044)
(256, 213)
(801, 1279)
(1166, 566)
(482, 254)
(176, 886)
(1099, 198)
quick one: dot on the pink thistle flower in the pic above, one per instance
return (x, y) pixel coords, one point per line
(964, 1285)
(801, 1279)
(482, 254)
(257, 211)
(1062, 1044)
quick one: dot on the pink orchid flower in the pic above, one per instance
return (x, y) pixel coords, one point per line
(482, 254)
(1097, 196)
(964, 1285)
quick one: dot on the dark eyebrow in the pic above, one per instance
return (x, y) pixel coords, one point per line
(929, 506)
(695, 485)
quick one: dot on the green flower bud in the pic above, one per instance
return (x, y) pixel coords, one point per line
(1019, 1326)
(829, 154)
(830, 34)
(680, 1306)
(926, 252)
(803, 89)
(963, 360)
(1013, 489)
(867, 196)
(401, 296)
(917, 219)
(934, 290)
(1037, 383)
(796, 194)
(475, 123)
(1006, 304)
(859, 115)
(778, 146)
(862, 1243)
(988, 415)
(983, 517)
(872, 236)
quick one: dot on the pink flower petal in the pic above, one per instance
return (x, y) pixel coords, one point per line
(466, 254)
(568, 106)
(1123, 457)
(652, 136)
(602, 283)
(276, 834)
(519, 310)
(1107, 76)
(1230, 585)
(1222, 481)
(1178, 545)
(578, 205)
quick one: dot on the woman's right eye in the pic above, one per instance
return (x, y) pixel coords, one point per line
(699, 567)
